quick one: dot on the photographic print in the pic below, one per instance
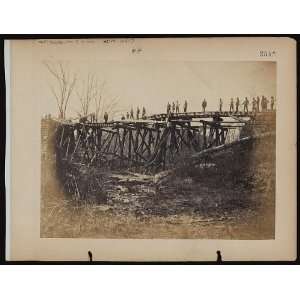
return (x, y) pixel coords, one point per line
(151, 149)
(176, 150)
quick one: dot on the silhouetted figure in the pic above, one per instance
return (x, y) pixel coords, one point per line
(246, 103)
(131, 114)
(231, 108)
(143, 113)
(272, 103)
(105, 117)
(123, 117)
(254, 104)
(127, 115)
(204, 104)
(220, 105)
(237, 104)
(137, 113)
(219, 256)
(177, 107)
(173, 107)
(257, 104)
(185, 106)
(169, 115)
(264, 103)
(90, 255)
(168, 108)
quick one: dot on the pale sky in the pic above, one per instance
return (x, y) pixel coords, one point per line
(166, 70)
(153, 84)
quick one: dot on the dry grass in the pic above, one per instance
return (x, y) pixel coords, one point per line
(65, 221)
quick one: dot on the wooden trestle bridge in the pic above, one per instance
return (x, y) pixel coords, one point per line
(156, 142)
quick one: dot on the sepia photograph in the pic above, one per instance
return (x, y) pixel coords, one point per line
(142, 149)
(167, 150)
(149, 149)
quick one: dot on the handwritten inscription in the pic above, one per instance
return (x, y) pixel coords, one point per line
(122, 41)
(136, 50)
(86, 41)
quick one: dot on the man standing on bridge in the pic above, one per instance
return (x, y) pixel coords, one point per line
(266, 103)
(137, 113)
(131, 114)
(204, 104)
(168, 108)
(237, 104)
(246, 103)
(257, 103)
(144, 113)
(105, 117)
(231, 108)
(177, 106)
(220, 105)
(272, 103)
(173, 107)
(185, 106)
(127, 115)
(262, 103)
(254, 104)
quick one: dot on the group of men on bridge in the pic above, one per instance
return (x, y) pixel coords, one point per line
(130, 116)
(175, 108)
(92, 118)
(258, 104)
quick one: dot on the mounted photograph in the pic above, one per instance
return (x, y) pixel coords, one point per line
(144, 149)
(159, 150)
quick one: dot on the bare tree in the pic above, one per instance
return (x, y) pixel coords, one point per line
(112, 107)
(93, 100)
(99, 100)
(64, 86)
(87, 94)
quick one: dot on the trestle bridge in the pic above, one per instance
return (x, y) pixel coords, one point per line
(157, 142)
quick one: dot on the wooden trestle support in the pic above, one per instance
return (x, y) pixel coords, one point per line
(147, 145)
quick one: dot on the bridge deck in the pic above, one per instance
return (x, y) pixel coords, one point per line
(160, 119)
(208, 114)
